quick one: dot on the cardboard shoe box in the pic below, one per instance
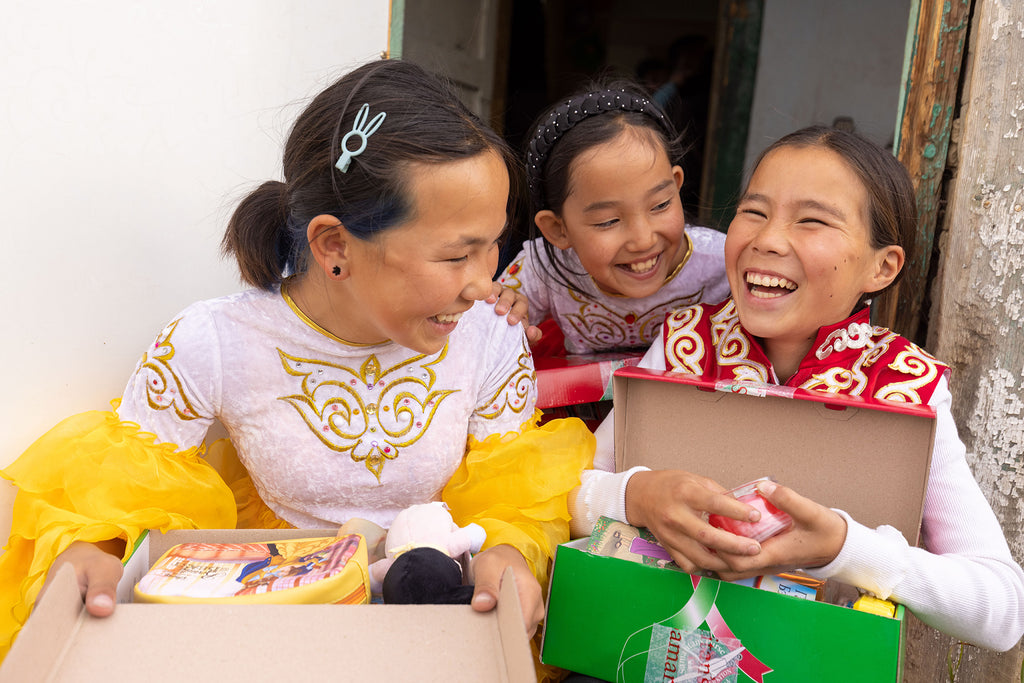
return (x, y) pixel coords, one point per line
(196, 643)
(623, 621)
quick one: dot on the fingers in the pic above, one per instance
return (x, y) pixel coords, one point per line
(488, 570)
(533, 334)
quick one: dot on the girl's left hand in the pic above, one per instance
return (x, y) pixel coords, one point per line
(488, 568)
(815, 539)
(515, 307)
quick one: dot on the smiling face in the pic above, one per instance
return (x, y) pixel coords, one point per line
(622, 215)
(413, 282)
(798, 253)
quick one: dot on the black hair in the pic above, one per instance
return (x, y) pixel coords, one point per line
(425, 122)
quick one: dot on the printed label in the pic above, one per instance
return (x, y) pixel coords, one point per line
(697, 656)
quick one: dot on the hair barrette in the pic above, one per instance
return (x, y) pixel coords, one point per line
(362, 130)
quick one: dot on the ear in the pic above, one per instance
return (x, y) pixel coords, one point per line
(888, 264)
(330, 245)
(678, 176)
(553, 228)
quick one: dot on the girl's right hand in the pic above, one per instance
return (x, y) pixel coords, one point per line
(515, 307)
(672, 503)
(98, 570)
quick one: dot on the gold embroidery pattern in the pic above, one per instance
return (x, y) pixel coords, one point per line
(513, 393)
(600, 327)
(164, 388)
(912, 361)
(510, 278)
(732, 348)
(684, 347)
(837, 381)
(370, 413)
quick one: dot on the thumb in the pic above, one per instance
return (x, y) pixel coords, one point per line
(485, 597)
(101, 587)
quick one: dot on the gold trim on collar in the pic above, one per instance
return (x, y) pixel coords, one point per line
(309, 321)
(671, 276)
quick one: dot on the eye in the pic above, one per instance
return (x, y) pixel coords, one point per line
(606, 224)
(460, 259)
(810, 220)
(664, 205)
(752, 212)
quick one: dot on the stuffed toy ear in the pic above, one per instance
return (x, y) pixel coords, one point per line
(425, 576)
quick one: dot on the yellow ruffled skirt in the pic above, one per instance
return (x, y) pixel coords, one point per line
(94, 477)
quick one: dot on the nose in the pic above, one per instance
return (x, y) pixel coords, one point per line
(642, 236)
(771, 237)
(478, 275)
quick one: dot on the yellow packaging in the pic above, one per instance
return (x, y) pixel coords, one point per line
(309, 570)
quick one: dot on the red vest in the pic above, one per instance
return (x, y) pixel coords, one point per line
(851, 357)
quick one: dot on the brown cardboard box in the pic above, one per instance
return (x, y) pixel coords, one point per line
(868, 458)
(195, 643)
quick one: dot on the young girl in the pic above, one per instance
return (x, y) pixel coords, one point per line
(824, 224)
(616, 253)
(350, 379)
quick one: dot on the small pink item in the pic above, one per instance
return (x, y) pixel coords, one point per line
(773, 520)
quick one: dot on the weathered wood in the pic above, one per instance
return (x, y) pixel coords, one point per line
(977, 322)
(930, 95)
(732, 95)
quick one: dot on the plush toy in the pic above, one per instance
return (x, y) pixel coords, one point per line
(421, 551)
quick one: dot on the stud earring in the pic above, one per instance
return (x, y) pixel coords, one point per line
(336, 270)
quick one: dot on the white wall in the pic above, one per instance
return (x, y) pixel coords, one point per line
(820, 60)
(128, 129)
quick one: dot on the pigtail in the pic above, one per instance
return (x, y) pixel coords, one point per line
(257, 235)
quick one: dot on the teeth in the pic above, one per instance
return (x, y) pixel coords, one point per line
(446, 318)
(643, 266)
(769, 281)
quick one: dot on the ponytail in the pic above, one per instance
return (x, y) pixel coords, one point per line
(258, 235)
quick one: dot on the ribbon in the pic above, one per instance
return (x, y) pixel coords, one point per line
(700, 608)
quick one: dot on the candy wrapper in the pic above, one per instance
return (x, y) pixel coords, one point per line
(773, 521)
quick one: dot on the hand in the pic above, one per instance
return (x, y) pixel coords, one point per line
(672, 503)
(516, 308)
(98, 571)
(488, 567)
(815, 539)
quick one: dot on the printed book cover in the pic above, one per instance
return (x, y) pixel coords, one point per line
(314, 570)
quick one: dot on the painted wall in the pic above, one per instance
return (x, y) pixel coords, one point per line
(820, 60)
(127, 132)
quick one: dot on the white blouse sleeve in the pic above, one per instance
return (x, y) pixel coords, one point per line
(602, 491)
(964, 582)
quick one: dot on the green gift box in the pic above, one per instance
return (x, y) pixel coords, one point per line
(624, 621)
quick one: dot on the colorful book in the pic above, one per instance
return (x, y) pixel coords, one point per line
(310, 570)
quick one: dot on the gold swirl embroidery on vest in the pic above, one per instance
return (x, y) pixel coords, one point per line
(912, 361)
(836, 380)
(601, 327)
(853, 336)
(515, 391)
(370, 413)
(732, 347)
(164, 389)
(684, 347)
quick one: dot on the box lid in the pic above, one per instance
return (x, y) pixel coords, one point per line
(867, 457)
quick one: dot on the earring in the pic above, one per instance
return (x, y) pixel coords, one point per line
(336, 270)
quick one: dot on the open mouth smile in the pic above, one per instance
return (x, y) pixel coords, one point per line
(768, 286)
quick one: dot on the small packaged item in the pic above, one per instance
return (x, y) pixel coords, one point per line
(773, 520)
(617, 539)
(308, 570)
(869, 603)
(791, 583)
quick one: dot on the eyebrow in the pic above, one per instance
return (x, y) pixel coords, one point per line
(596, 206)
(803, 203)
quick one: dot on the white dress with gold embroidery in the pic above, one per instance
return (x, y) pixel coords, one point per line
(593, 321)
(330, 430)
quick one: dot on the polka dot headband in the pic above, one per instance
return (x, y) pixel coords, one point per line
(564, 117)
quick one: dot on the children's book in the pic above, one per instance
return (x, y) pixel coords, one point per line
(311, 570)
